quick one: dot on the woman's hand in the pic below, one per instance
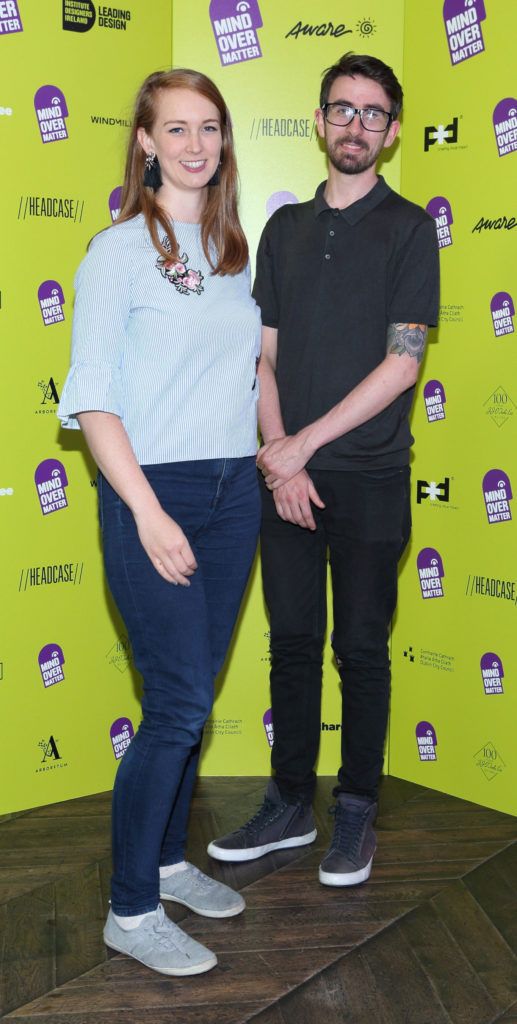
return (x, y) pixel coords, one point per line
(166, 545)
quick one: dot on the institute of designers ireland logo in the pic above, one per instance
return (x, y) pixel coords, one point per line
(10, 20)
(51, 111)
(440, 209)
(51, 301)
(492, 673)
(235, 24)
(278, 199)
(121, 734)
(426, 741)
(51, 479)
(430, 572)
(267, 721)
(497, 493)
(434, 400)
(505, 126)
(114, 202)
(51, 660)
(463, 28)
(503, 311)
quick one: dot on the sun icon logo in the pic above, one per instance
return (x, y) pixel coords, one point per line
(366, 27)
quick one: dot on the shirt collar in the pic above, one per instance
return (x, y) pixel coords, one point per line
(354, 213)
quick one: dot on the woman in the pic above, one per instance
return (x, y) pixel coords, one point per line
(162, 383)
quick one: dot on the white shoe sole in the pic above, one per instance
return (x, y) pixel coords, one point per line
(351, 878)
(176, 972)
(253, 852)
(231, 912)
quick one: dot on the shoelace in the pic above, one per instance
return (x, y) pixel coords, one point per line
(348, 828)
(200, 881)
(167, 934)
(267, 813)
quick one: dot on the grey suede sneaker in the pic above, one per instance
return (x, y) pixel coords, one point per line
(160, 944)
(277, 825)
(348, 860)
(201, 894)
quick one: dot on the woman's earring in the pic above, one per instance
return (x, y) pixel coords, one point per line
(152, 173)
(216, 176)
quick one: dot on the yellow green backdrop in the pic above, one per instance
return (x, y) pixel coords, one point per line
(68, 693)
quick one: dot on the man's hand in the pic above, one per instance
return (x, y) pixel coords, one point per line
(293, 500)
(282, 459)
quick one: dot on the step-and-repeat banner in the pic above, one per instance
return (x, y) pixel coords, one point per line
(68, 691)
(69, 71)
(454, 655)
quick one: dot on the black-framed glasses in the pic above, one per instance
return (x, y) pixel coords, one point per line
(373, 119)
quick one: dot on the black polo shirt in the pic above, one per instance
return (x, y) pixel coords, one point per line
(331, 281)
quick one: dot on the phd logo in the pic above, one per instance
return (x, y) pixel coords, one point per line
(440, 134)
(492, 673)
(51, 111)
(51, 301)
(426, 741)
(430, 572)
(440, 209)
(121, 734)
(278, 199)
(463, 28)
(502, 310)
(114, 202)
(10, 20)
(497, 492)
(432, 490)
(235, 24)
(505, 126)
(51, 660)
(434, 400)
(51, 479)
(267, 721)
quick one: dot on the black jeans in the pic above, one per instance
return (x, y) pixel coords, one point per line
(364, 527)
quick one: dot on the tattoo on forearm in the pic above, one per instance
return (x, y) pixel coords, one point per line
(407, 339)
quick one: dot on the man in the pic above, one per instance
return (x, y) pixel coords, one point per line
(347, 285)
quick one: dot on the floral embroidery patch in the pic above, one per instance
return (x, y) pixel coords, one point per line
(179, 274)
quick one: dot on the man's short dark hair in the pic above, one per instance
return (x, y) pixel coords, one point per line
(369, 67)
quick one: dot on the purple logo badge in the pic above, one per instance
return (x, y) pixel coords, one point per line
(267, 720)
(434, 399)
(10, 20)
(51, 301)
(51, 111)
(51, 479)
(497, 492)
(502, 310)
(114, 202)
(492, 673)
(463, 27)
(505, 126)
(440, 209)
(121, 734)
(279, 199)
(51, 660)
(430, 572)
(235, 24)
(426, 741)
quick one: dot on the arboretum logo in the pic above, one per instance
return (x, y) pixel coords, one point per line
(80, 15)
(505, 126)
(51, 301)
(51, 112)
(440, 134)
(51, 660)
(10, 20)
(492, 673)
(427, 741)
(463, 28)
(235, 24)
(430, 572)
(440, 208)
(51, 757)
(503, 311)
(50, 397)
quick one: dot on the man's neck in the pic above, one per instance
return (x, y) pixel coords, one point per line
(342, 190)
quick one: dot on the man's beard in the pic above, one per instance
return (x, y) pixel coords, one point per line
(352, 163)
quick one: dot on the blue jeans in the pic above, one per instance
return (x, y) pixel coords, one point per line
(180, 636)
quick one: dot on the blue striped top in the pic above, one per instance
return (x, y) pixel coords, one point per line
(171, 349)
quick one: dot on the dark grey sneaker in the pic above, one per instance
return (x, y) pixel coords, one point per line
(277, 825)
(348, 860)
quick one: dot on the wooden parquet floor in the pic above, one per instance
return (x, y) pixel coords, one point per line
(431, 939)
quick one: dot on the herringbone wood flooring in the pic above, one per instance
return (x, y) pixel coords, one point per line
(431, 939)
